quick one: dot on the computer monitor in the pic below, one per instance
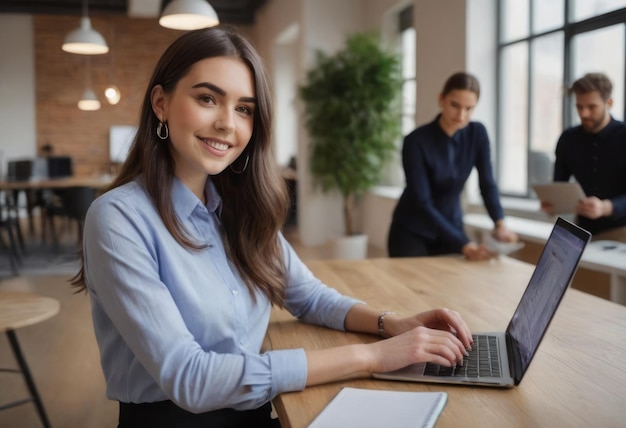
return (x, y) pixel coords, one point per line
(60, 166)
(27, 169)
(120, 140)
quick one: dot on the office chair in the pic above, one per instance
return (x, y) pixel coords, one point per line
(11, 238)
(72, 204)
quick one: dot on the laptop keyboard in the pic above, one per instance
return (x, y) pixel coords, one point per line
(483, 361)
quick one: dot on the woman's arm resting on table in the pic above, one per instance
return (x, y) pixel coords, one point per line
(439, 336)
(476, 252)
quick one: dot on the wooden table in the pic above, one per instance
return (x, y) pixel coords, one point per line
(21, 309)
(577, 378)
(97, 182)
(31, 186)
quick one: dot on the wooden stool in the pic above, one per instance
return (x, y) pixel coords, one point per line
(21, 309)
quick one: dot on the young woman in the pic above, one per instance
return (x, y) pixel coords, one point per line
(438, 158)
(183, 259)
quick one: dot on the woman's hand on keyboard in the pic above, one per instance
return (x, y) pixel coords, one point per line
(439, 336)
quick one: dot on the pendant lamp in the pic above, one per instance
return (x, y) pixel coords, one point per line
(89, 101)
(113, 94)
(85, 40)
(188, 15)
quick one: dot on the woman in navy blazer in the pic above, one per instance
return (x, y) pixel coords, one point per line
(438, 158)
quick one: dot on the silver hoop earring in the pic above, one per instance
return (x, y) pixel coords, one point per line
(160, 127)
(245, 165)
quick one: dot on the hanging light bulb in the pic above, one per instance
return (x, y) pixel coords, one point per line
(85, 40)
(89, 101)
(188, 15)
(112, 94)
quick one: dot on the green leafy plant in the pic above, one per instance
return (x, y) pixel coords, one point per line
(352, 112)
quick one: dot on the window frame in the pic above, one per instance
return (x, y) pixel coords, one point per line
(405, 22)
(570, 30)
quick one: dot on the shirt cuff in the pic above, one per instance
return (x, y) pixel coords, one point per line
(289, 370)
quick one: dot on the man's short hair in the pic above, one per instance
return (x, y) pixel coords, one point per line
(593, 82)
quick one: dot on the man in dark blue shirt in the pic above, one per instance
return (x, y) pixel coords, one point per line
(594, 152)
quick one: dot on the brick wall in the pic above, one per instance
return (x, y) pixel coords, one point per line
(135, 46)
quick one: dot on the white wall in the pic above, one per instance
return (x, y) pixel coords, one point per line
(321, 24)
(481, 46)
(440, 29)
(17, 89)
(326, 23)
(286, 114)
(377, 11)
(272, 20)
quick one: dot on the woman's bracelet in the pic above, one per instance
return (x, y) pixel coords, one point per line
(381, 324)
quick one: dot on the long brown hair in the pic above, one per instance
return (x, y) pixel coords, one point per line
(254, 201)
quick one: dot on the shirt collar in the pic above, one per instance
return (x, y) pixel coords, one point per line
(609, 128)
(439, 129)
(213, 198)
(185, 201)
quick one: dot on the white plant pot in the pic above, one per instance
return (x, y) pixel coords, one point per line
(349, 247)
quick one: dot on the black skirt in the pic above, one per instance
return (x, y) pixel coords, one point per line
(165, 414)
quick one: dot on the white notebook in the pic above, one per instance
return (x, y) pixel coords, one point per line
(371, 408)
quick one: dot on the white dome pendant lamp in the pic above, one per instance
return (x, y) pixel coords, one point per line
(89, 101)
(188, 15)
(84, 40)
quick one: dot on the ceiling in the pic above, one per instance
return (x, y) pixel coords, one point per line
(228, 11)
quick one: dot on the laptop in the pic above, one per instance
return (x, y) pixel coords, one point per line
(501, 359)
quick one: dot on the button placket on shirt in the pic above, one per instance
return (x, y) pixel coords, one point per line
(230, 276)
(594, 162)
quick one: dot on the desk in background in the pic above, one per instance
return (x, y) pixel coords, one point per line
(97, 182)
(577, 378)
(598, 256)
(74, 185)
(608, 257)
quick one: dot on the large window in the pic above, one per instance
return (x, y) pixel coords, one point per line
(544, 45)
(407, 40)
(401, 33)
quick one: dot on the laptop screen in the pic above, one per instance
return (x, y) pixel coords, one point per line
(553, 273)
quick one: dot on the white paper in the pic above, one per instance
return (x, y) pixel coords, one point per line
(370, 408)
(499, 247)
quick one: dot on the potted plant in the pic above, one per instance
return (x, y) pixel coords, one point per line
(352, 112)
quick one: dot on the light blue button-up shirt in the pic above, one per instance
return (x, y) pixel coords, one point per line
(177, 324)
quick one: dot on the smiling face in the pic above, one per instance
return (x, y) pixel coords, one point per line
(210, 115)
(456, 109)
